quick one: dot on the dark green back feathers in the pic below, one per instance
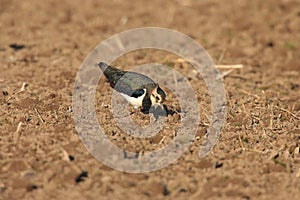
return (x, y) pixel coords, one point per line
(130, 83)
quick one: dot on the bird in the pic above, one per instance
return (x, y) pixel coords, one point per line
(139, 90)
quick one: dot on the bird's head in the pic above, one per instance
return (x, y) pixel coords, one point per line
(157, 96)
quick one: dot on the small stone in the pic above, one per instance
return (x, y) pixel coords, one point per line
(166, 192)
(270, 44)
(5, 93)
(81, 177)
(71, 158)
(17, 47)
(31, 188)
(218, 165)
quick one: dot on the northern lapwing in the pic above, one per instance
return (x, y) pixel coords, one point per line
(139, 90)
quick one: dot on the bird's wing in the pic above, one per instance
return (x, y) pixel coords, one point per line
(133, 84)
(130, 83)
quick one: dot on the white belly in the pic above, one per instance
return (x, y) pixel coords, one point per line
(135, 102)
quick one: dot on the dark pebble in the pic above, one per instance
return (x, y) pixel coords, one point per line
(270, 44)
(166, 192)
(71, 158)
(81, 177)
(5, 93)
(31, 188)
(218, 165)
(17, 47)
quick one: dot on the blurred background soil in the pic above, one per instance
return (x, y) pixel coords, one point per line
(43, 43)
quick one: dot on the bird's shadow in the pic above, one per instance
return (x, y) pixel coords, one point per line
(160, 111)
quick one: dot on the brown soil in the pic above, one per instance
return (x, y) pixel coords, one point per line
(257, 156)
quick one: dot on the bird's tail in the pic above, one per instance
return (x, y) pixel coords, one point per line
(103, 66)
(111, 73)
